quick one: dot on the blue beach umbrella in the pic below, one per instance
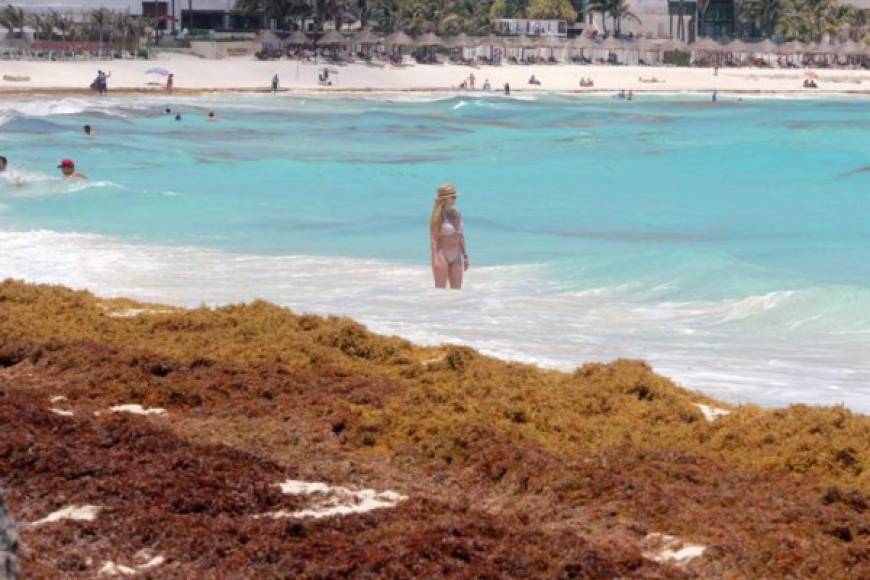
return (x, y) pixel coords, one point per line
(158, 71)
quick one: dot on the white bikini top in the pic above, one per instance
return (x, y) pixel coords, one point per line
(448, 229)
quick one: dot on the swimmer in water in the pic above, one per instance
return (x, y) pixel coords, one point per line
(3, 163)
(88, 130)
(211, 117)
(178, 116)
(68, 168)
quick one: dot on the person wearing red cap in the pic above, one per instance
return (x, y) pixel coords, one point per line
(68, 168)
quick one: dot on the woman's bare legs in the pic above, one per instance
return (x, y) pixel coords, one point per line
(440, 270)
(455, 273)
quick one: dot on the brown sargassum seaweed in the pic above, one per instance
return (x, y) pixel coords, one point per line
(509, 470)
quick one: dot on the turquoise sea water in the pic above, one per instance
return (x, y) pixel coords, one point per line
(727, 243)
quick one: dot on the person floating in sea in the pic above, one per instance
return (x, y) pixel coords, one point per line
(167, 111)
(275, 83)
(177, 116)
(68, 168)
(211, 116)
(3, 163)
(447, 238)
(89, 131)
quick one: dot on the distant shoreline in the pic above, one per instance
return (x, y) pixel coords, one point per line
(195, 76)
(9, 93)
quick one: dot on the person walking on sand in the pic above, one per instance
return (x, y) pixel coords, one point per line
(170, 81)
(68, 168)
(471, 81)
(447, 238)
(275, 83)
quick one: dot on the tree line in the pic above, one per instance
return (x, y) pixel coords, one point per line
(804, 20)
(444, 17)
(99, 25)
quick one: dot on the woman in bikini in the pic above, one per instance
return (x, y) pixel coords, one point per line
(449, 256)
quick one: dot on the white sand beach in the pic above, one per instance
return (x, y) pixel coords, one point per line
(194, 74)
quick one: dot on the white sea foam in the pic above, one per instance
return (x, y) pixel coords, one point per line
(23, 183)
(761, 349)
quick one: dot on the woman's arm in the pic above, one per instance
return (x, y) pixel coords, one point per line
(433, 242)
(462, 247)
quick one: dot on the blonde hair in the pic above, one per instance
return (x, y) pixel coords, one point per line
(445, 192)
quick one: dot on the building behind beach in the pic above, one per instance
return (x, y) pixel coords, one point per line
(682, 19)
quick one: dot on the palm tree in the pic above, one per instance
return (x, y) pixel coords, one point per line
(681, 25)
(63, 23)
(42, 26)
(618, 10)
(12, 18)
(762, 15)
(101, 20)
(385, 13)
(791, 22)
(601, 7)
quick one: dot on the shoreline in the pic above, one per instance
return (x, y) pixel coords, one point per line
(450, 92)
(719, 380)
(195, 76)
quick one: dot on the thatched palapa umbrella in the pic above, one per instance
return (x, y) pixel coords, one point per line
(430, 40)
(707, 45)
(850, 47)
(399, 38)
(461, 40)
(367, 38)
(333, 38)
(786, 48)
(581, 42)
(493, 41)
(766, 46)
(521, 41)
(737, 47)
(297, 38)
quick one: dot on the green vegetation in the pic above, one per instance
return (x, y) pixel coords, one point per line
(412, 16)
(804, 20)
(451, 399)
(102, 25)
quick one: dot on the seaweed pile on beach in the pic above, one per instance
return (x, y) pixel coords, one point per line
(251, 442)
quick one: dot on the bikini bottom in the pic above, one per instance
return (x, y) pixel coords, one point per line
(451, 256)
